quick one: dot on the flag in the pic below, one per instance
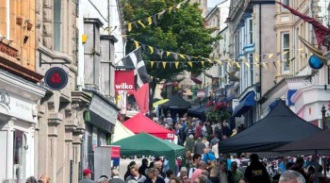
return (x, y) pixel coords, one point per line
(142, 98)
(319, 29)
(134, 61)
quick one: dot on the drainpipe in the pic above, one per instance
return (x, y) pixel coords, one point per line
(310, 4)
(260, 61)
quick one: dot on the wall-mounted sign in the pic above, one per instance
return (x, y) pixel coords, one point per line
(315, 62)
(56, 78)
(124, 80)
(8, 50)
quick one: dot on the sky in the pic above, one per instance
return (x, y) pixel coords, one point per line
(212, 3)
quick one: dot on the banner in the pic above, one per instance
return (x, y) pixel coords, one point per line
(124, 80)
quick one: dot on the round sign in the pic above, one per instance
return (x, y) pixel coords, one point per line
(56, 78)
(315, 62)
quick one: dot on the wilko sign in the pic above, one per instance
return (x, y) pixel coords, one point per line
(124, 86)
(124, 80)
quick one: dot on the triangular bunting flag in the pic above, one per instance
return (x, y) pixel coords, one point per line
(149, 20)
(284, 53)
(179, 5)
(129, 27)
(247, 64)
(176, 64)
(142, 25)
(175, 55)
(274, 65)
(154, 18)
(182, 56)
(164, 64)
(209, 60)
(136, 44)
(264, 65)
(152, 64)
(202, 62)
(257, 64)
(270, 55)
(219, 62)
(161, 13)
(237, 64)
(151, 49)
(190, 64)
(168, 53)
(170, 9)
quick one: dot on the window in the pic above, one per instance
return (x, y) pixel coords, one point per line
(286, 2)
(250, 31)
(285, 50)
(19, 156)
(57, 25)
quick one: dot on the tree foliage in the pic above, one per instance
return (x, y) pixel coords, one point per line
(181, 31)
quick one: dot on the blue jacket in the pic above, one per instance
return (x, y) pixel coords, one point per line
(209, 156)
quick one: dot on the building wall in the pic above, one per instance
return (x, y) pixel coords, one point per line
(60, 120)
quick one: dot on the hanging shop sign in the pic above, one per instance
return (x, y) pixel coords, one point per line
(56, 78)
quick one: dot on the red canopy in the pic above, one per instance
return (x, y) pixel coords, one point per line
(140, 123)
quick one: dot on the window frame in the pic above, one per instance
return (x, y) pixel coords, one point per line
(285, 58)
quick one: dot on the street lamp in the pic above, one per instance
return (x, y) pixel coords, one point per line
(324, 119)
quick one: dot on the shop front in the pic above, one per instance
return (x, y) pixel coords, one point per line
(18, 117)
(100, 119)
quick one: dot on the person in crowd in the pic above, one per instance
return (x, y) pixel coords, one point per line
(317, 177)
(159, 166)
(135, 175)
(214, 140)
(190, 142)
(208, 155)
(87, 173)
(243, 180)
(181, 135)
(256, 172)
(291, 176)
(198, 171)
(237, 175)
(215, 150)
(282, 165)
(183, 175)
(225, 175)
(115, 177)
(214, 175)
(206, 142)
(169, 120)
(103, 179)
(298, 166)
(198, 131)
(310, 172)
(190, 130)
(199, 146)
(169, 175)
(128, 172)
(196, 160)
(153, 176)
(44, 179)
(31, 179)
(175, 180)
(206, 174)
(229, 161)
(143, 166)
(201, 179)
(243, 166)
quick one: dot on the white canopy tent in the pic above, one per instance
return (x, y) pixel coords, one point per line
(120, 132)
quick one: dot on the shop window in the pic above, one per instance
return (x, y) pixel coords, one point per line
(57, 25)
(285, 48)
(19, 156)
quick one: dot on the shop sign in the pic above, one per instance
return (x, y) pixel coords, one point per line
(103, 109)
(124, 80)
(56, 78)
(8, 50)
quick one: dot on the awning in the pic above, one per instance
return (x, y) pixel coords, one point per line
(101, 113)
(245, 104)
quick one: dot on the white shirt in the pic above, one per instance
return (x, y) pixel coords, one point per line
(215, 150)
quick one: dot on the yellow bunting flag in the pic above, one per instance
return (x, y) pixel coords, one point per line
(179, 5)
(151, 49)
(129, 27)
(256, 64)
(202, 62)
(136, 44)
(237, 64)
(149, 20)
(182, 56)
(264, 65)
(278, 63)
(164, 64)
(168, 53)
(257, 58)
(190, 64)
(170, 9)
(229, 63)
(270, 55)
(142, 25)
(247, 64)
(209, 60)
(176, 64)
(152, 64)
(219, 62)
(284, 53)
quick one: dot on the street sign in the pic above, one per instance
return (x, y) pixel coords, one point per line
(56, 78)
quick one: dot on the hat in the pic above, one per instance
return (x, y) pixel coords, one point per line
(87, 171)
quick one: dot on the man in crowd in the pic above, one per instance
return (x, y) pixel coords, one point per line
(196, 160)
(256, 172)
(87, 173)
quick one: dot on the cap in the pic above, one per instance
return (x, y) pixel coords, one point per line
(87, 171)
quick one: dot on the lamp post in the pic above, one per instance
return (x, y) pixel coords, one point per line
(323, 110)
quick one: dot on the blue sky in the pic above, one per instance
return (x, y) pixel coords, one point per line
(212, 3)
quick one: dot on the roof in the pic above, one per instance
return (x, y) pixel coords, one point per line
(279, 127)
(140, 123)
